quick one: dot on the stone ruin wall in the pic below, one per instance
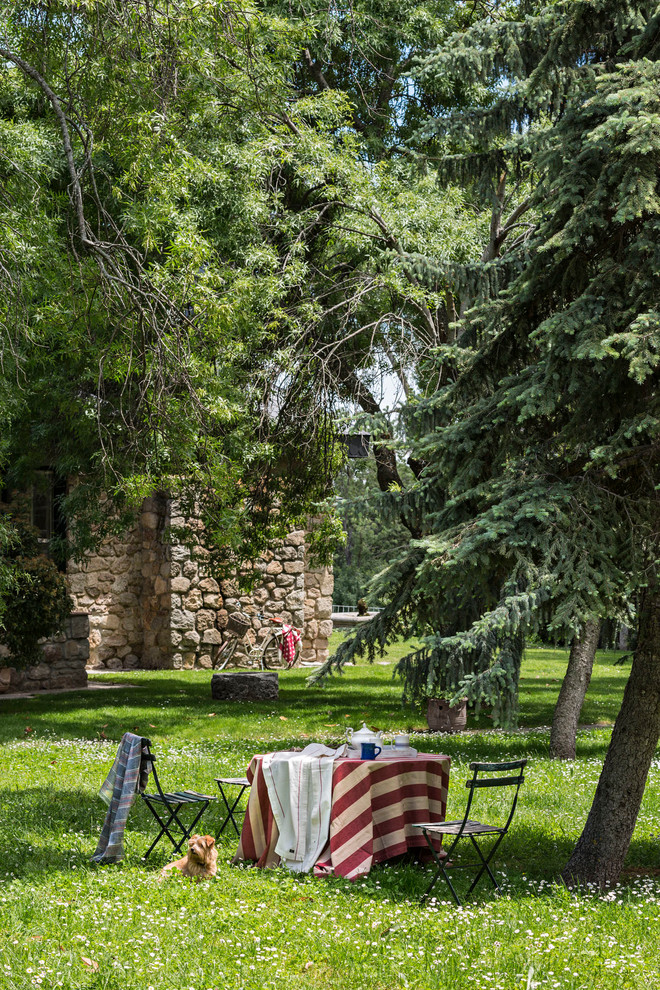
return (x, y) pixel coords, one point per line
(63, 662)
(319, 585)
(152, 605)
(125, 590)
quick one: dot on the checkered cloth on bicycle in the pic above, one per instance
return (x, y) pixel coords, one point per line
(288, 643)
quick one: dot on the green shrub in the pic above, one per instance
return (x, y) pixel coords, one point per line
(36, 602)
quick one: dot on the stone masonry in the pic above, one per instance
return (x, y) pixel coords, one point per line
(152, 604)
(64, 658)
(317, 626)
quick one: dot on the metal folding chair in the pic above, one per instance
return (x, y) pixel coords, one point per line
(466, 828)
(165, 806)
(243, 784)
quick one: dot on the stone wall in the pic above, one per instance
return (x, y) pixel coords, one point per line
(152, 603)
(124, 588)
(63, 664)
(319, 585)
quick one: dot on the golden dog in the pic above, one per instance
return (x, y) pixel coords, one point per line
(201, 860)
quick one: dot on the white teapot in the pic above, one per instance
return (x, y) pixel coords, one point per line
(363, 735)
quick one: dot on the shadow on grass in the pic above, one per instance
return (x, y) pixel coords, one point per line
(45, 830)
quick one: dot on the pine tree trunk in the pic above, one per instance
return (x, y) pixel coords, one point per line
(573, 689)
(601, 849)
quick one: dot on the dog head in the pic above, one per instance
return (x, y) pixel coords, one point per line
(201, 848)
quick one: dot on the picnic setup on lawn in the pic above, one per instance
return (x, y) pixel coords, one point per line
(328, 812)
(356, 890)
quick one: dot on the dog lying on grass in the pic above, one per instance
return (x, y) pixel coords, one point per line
(201, 860)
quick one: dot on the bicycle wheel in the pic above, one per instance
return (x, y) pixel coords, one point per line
(226, 653)
(271, 655)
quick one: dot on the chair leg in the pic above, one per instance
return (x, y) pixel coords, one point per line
(164, 828)
(440, 863)
(485, 868)
(186, 831)
(230, 812)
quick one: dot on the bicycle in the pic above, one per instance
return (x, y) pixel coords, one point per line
(269, 656)
(276, 653)
(237, 626)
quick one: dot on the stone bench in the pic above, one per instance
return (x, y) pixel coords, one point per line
(245, 686)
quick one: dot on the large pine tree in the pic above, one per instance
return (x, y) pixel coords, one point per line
(542, 455)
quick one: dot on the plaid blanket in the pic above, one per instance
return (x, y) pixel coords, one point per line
(127, 775)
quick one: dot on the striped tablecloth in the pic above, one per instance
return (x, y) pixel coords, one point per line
(374, 806)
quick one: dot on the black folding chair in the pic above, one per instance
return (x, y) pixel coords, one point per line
(166, 805)
(466, 828)
(243, 784)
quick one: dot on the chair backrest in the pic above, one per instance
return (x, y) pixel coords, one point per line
(503, 778)
(148, 766)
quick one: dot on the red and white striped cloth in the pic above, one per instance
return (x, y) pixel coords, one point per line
(375, 803)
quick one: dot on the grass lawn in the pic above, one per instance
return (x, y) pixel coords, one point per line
(67, 923)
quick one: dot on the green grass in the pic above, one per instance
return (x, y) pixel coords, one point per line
(67, 923)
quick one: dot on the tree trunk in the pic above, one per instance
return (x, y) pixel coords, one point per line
(601, 849)
(573, 689)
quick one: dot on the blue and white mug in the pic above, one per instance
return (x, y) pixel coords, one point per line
(370, 751)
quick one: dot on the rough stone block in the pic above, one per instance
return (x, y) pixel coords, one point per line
(297, 538)
(323, 608)
(180, 584)
(182, 619)
(107, 622)
(205, 620)
(75, 649)
(284, 580)
(121, 583)
(190, 638)
(258, 686)
(274, 567)
(53, 652)
(327, 584)
(212, 599)
(209, 584)
(114, 640)
(193, 600)
(294, 567)
(325, 628)
(211, 636)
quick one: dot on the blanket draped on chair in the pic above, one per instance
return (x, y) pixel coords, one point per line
(127, 775)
